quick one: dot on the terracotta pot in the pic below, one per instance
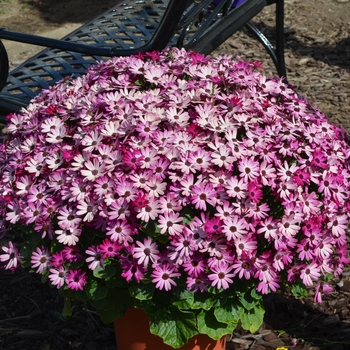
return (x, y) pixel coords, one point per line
(132, 333)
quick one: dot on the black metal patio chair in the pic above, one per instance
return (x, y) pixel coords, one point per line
(128, 28)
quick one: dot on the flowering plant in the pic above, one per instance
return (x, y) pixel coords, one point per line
(184, 185)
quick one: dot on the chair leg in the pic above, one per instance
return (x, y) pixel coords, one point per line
(276, 53)
(280, 38)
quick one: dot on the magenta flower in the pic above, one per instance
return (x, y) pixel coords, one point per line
(40, 259)
(76, 279)
(95, 259)
(221, 278)
(172, 169)
(163, 276)
(310, 273)
(146, 252)
(170, 222)
(58, 276)
(11, 257)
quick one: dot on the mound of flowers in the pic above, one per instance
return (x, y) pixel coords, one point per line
(170, 180)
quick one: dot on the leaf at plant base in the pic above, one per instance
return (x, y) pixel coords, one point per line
(229, 312)
(208, 324)
(105, 273)
(95, 291)
(183, 298)
(255, 295)
(203, 301)
(109, 315)
(247, 301)
(175, 326)
(299, 291)
(253, 319)
(142, 291)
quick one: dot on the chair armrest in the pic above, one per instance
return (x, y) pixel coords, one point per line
(4, 65)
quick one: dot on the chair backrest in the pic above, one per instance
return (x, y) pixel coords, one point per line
(128, 28)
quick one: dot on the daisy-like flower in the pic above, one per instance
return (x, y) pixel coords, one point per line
(41, 259)
(56, 135)
(11, 257)
(222, 157)
(221, 276)
(150, 211)
(109, 249)
(94, 169)
(249, 169)
(58, 276)
(236, 188)
(120, 231)
(197, 284)
(322, 288)
(310, 273)
(178, 169)
(23, 185)
(92, 140)
(170, 222)
(72, 254)
(95, 260)
(234, 227)
(68, 236)
(163, 275)
(146, 252)
(203, 194)
(86, 209)
(76, 279)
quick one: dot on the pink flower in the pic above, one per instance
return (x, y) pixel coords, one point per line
(169, 222)
(249, 169)
(40, 259)
(76, 279)
(203, 194)
(11, 257)
(109, 249)
(95, 258)
(221, 278)
(58, 276)
(163, 276)
(204, 170)
(310, 273)
(146, 251)
(324, 288)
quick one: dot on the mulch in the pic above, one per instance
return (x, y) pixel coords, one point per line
(318, 65)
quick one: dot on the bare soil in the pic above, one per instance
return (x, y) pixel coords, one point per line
(318, 65)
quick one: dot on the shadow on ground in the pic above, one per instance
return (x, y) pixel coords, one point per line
(63, 11)
(324, 327)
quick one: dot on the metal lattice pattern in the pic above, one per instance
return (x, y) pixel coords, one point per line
(203, 26)
(124, 26)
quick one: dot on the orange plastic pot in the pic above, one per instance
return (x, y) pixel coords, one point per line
(132, 333)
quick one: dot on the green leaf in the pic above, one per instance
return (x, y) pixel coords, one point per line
(105, 273)
(230, 312)
(299, 291)
(208, 324)
(255, 295)
(142, 291)
(95, 291)
(247, 301)
(253, 319)
(101, 304)
(115, 281)
(109, 315)
(174, 326)
(203, 301)
(183, 298)
(67, 307)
